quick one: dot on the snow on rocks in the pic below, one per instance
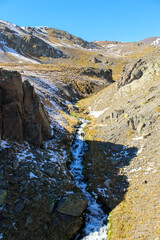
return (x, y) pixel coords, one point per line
(14, 27)
(32, 175)
(4, 144)
(95, 227)
(17, 55)
(156, 42)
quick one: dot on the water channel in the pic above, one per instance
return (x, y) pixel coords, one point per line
(96, 219)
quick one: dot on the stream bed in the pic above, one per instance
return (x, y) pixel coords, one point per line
(96, 219)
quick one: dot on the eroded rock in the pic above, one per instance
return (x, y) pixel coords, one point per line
(22, 115)
(131, 72)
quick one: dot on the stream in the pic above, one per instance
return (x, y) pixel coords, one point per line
(96, 219)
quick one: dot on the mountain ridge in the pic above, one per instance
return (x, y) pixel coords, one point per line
(45, 44)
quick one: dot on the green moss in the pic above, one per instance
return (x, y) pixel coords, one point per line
(110, 230)
(3, 195)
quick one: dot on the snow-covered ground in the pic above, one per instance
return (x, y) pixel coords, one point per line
(96, 114)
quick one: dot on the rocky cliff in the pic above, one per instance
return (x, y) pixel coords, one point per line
(23, 116)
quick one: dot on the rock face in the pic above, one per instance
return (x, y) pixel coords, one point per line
(94, 72)
(24, 43)
(131, 72)
(22, 115)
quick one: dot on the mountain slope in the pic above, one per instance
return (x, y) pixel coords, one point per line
(34, 44)
(122, 163)
(20, 44)
(155, 41)
(124, 49)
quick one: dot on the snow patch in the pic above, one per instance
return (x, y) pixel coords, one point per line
(138, 138)
(16, 54)
(32, 175)
(156, 42)
(14, 28)
(96, 114)
(25, 153)
(4, 144)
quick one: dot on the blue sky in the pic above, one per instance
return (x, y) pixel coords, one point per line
(120, 20)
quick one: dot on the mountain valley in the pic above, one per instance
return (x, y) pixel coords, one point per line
(57, 173)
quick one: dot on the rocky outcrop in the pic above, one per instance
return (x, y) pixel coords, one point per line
(100, 73)
(131, 72)
(22, 115)
(79, 88)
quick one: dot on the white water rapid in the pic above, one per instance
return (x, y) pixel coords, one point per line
(96, 220)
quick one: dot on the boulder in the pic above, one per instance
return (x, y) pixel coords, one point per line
(95, 60)
(32, 133)
(138, 123)
(73, 205)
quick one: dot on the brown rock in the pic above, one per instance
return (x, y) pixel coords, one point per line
(22, 115)
(35, 113)
(12, 121)
(11, 86)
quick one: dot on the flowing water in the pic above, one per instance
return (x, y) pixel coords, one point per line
(96, 220)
